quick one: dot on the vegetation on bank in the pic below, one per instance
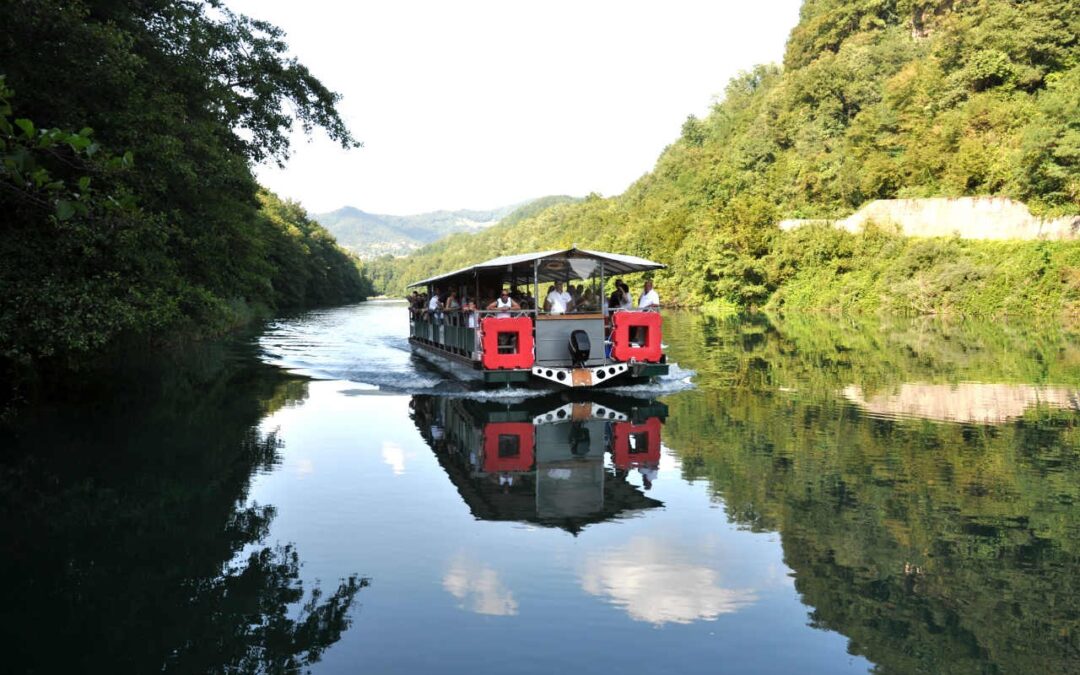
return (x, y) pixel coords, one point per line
(876, 99)
(128, 132)
(822, 268)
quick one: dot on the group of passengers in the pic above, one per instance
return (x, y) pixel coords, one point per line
(448, 307)
(584, 300)
(463, 311)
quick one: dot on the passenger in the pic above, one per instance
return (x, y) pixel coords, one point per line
(588, 301)
(616, 298)
(627, 298)
(504, 302)
(650, 299)
(434, 305)
(558, 301)
(472, 320)
(507, 341)
(452, 301)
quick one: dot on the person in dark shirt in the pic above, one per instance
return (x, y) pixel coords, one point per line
(619, 295)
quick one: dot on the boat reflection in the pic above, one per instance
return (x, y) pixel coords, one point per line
(542, 460)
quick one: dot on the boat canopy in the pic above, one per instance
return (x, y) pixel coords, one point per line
(556, 265)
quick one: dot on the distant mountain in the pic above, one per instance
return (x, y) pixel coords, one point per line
(370, 235)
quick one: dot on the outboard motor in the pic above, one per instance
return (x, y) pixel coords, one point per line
(580, 346)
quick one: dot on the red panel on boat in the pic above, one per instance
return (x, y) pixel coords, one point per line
(624, 327)
(514, 349)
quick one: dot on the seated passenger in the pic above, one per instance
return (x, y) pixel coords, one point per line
(588, 301)
(558, 301)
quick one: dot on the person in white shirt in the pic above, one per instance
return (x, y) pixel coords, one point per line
(504, 301)
(649, 297)
(507, 341)
(558, 301)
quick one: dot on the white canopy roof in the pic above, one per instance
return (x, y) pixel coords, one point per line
(555, 265)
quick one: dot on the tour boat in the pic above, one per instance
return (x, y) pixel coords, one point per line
(588, 345)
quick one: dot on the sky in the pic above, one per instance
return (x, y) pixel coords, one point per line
(473, 104)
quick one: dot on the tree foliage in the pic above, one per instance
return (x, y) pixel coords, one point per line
(147, 221)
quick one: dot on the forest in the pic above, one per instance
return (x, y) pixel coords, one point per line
(875, 99)
(128, 135)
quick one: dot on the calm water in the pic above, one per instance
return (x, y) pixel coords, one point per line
(827, 496)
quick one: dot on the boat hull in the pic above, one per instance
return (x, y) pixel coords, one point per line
(464, 369)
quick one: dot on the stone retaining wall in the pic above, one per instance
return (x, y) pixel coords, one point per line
(966, 217)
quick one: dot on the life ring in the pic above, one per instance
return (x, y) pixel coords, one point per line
(508, 446)
(621, 348)
(521, 331)
(555, 265)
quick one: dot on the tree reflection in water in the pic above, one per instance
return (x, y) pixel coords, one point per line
(935, 547)
(129, 540)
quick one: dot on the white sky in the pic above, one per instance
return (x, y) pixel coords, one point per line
(472, 104)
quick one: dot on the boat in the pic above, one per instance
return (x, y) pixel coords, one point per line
(587, 345)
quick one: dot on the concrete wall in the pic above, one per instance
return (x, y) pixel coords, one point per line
(966, 217)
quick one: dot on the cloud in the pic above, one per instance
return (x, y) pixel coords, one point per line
(652, 582)
(478, 588)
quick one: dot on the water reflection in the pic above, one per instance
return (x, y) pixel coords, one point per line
(478, 587)
(542, 460)
(658, 581)
(968, 402)
(130, 543)
(935, 523)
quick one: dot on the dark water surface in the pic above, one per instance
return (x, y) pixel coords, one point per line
(828, 496)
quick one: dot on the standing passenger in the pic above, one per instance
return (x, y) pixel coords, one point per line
(504, 301)
(650, 299)
(558, 301)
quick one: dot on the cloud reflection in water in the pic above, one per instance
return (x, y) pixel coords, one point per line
(479, 588)
(653, 582)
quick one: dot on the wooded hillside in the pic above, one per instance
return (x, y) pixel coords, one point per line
(875, 99)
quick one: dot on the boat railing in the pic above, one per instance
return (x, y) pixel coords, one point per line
(652, 308)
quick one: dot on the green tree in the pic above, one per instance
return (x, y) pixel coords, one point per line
(189, 96)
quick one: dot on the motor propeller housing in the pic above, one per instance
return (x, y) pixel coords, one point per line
(580, 347)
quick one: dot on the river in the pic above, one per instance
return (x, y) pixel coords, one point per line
(803, 494)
